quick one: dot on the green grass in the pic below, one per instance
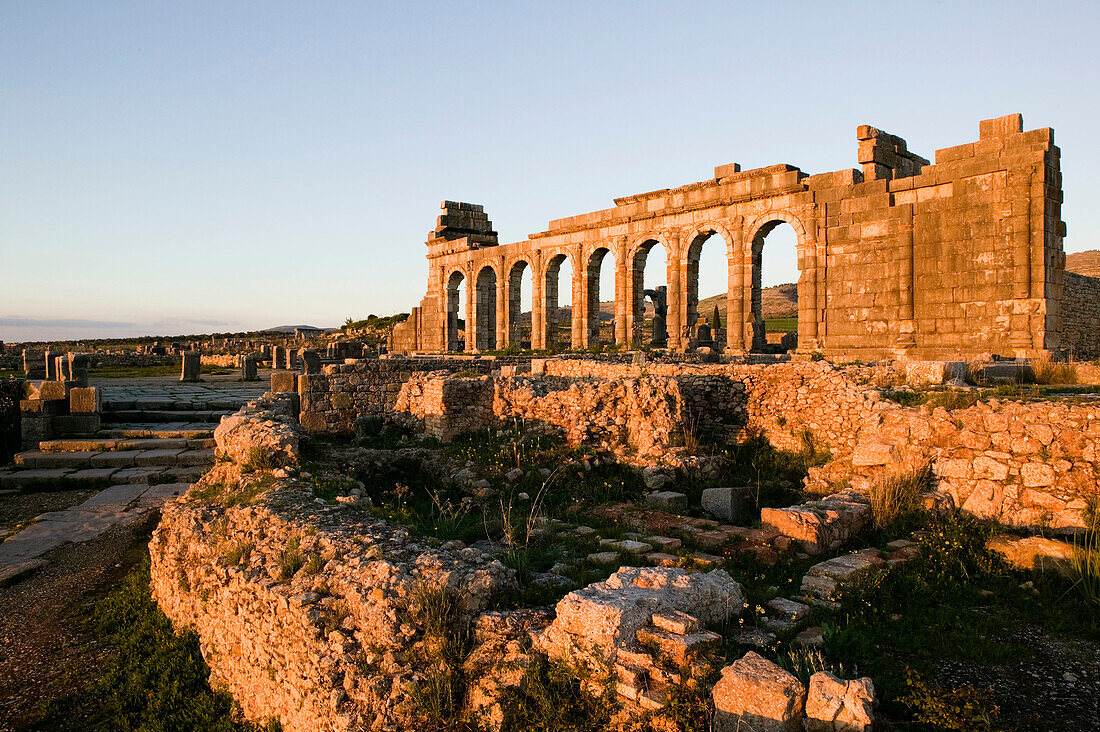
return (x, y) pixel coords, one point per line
(151, 678)
(781, 325)
(130, 372)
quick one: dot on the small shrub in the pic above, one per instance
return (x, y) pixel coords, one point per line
(552, 698)
(242, 551)
(1086, 558)
(952, 399)
(290, 559)
(897, 495)
(804, 662)
(1049, 371)
(964, 708)
(258, 458)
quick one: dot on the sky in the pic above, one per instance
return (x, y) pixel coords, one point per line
(170, 168)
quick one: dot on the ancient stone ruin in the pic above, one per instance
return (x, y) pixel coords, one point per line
(901, 257)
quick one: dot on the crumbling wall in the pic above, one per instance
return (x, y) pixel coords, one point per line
(1081, 316)
(334, 398)
(782, 401)
(1030, 464)
(648, 414)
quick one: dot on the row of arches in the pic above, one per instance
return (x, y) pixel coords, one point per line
(704, 269)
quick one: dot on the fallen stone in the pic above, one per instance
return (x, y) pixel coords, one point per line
(835, 705)
(755, 694)
(668, 500)
(1034, 552)
(731, 503)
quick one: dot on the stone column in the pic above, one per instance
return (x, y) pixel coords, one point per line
(471, 315)
(248, 368)
(579, 288)
(735, 290)
(191, 366)
(503, 307)
(538, 303)
(676, 275)
(628, 297)
(622, 268)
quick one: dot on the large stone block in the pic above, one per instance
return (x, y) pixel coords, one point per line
(87, 400)
(755, 695)
(732, 504)
(283, 381)
(835, 705)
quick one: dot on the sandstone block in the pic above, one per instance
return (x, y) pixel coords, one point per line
(835, 705)
(873, 454)
(1034, 552)
(755, 694)
(668, 500)
(729, 503)
(85, 401)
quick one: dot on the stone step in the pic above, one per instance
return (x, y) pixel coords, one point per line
(38, 459)
(119, 444)
(189, 431)
(44, 479)
(205, 415)
(173, 405)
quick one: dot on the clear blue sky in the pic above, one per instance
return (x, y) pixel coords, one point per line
(189, 167)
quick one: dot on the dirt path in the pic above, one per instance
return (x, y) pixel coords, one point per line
(45, 650)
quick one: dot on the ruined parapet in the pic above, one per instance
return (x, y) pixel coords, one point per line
(466, 221)
(885, 156)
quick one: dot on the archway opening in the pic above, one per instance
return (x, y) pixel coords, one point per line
(519, 292)
(707, 320)
(649, 324)
(558, 293)
(775, 288)
(600, 314)
(456, 305)
(485, 310)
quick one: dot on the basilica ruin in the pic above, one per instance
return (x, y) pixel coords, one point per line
(899, 258)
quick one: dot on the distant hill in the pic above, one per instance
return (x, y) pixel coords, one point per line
(779, 301)
(1084, 263)
(291, 328)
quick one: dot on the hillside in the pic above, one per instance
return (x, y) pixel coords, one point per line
(1085, 263)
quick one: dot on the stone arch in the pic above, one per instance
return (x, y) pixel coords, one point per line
(693, 239)
(516, 270)
(551, 282)
(637, 254)
(453, 286)
(485, 308)
(755, 234)
(594, 261)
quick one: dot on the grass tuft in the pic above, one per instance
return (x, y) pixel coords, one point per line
(896, 496)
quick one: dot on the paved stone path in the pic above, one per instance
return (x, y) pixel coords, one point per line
(156, 439)
(120, 504)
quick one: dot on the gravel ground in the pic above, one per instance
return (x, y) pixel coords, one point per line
(1055, 688)
(44, 651)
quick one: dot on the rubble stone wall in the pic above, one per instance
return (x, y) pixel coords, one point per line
(1025, 464)
(782, 401)
(330, 645)
(1081, 316)
(646, 413)
(333, 399)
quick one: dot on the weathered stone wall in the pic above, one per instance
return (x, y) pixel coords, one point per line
(648, 414)
(1025, 464)
(222, 360)
(332, 644)
(901, 257)
(1081, 316)
(331, 400)
(782, 401)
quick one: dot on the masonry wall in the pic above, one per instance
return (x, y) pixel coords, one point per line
(1081, 316)
(1028, 464)
(333, 399)
(782, 401)
(898, 258)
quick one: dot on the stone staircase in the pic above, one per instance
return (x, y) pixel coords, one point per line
(143, 441)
